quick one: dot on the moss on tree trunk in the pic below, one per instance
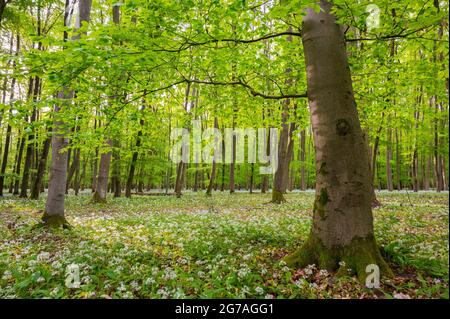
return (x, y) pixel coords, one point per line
(277, 197)
(54, 221)
(96, 198)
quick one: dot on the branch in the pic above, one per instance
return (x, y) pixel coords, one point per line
(252, 91)
(185, 80)
(392, 36)
(139, 97)
(188, 45)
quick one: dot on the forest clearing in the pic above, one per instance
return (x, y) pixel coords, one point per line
(219, 149)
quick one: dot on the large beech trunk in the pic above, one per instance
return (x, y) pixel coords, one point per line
(54, 206)
(342, 228)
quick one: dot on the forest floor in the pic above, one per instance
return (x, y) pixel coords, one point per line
(226, 246)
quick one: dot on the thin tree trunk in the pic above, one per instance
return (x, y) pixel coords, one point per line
(8, 129)
(233, 162)
(252, 170)
(182, 166)
(73, 168)
(79, 182)
(5, 155)
(426, 175)
(398, 171)
(36, 189)
(390, 185)
(134, 158)
(95, 164)
(214, 165)
(103, 174)
(265, 181)
(18, 166)
(280, 177)
(288, 160)
(116, 169)
(29, 149)
(302, 160)
(222, 186)
(444, 178)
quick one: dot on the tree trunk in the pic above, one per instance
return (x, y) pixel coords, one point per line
(5, 154)
(302, 160)
(95, 165)
(36, 189)
(195, 187)
(134, 159)
(415, 171)
(426, 174)
(79, 181)
(444, 179)
(288, 159)
(18, 166)
(375, 201)
(116, 169)
(103, 174)
(280, 177)
(437, 157)
(73, 168)
(179, 180)
(398, 172)
(169, 168)
(181, 168)
(30, 148)
(222, 184)
(54, 207)
(232, 164)
(342, 228)
(8, 129)
(252, 173)
(390, 185)
(3, 4)
(214, 166)
(265, 181)
(277, 191)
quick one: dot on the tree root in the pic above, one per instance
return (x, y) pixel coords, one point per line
(277, 197)
(351, 259)
(97, 199)
(55, 221)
